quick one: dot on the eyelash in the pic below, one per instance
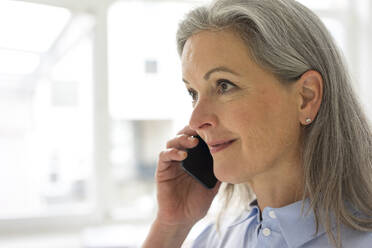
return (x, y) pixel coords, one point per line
(193, 94)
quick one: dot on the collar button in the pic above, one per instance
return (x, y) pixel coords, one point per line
(272, 214)
(266, 231)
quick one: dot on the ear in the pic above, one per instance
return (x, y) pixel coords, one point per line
(310, 93)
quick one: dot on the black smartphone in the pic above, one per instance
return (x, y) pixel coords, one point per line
(199, 164)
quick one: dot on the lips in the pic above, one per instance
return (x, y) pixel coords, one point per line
(218, 146)
(219, 143)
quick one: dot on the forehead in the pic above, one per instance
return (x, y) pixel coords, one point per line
(213, 41)
(208, 49)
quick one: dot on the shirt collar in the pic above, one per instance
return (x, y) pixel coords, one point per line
(290, 221)
(297, 228)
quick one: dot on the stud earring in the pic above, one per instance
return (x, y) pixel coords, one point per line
(308, 120)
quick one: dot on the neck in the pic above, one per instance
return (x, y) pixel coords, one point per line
(278, 190)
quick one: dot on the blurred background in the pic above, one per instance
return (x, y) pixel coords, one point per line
(90, 91)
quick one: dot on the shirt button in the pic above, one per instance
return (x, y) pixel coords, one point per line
(272, 214)
(266, 232)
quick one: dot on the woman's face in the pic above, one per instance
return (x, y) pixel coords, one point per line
(234, 99)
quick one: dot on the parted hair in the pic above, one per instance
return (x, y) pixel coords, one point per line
(287, 39)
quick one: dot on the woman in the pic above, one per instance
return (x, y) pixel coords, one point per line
(267, 80)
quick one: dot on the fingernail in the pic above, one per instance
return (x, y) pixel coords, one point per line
(182, 153)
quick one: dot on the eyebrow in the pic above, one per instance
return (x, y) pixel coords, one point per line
(217, 69)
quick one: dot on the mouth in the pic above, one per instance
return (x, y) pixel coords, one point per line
(220, 147)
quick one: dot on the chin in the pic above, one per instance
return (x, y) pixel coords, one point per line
(229, 178)
(231, 175)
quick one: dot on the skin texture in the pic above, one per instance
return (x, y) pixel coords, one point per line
(264, 117)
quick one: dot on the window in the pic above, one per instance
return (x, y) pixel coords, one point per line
(46, 123)
(148, 102)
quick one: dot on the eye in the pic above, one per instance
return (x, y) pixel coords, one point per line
(224, 85)
(193, 94)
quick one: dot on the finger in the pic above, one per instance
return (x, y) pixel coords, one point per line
(173, 170)
(187, 130)
(169, 156)
(182, 142)
(172, 154)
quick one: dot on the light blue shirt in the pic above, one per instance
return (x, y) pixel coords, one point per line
(279, 228)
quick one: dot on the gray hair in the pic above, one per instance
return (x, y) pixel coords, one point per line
(288, 39)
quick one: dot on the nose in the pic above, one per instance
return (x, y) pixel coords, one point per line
(203, 116)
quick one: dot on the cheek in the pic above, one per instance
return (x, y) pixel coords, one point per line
(252, 119)
(250, 122)
(265, 128)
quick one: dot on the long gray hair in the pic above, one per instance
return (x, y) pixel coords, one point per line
(288, 39)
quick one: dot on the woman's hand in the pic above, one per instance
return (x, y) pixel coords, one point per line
(181, 199)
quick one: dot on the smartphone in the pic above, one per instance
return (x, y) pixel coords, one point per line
(199, 164)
